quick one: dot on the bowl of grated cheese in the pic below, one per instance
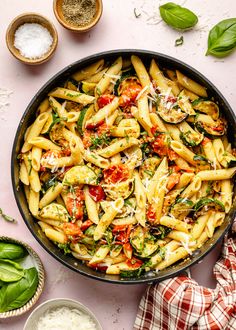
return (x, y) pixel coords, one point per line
(64, 314)
(31, 38)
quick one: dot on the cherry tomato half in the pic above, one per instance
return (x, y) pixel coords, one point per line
(74, 203)
(104, 100)
(116, 173)
(97, 193)
(71, 229)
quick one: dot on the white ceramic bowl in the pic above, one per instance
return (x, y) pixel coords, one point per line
(31, 322)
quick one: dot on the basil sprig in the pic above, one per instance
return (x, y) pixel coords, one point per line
(222, 38)
(178, 17)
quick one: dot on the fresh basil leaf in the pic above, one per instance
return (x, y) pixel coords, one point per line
(222, 38)
(11, 251)
(178, 17)
(10, 271)
(15, 295)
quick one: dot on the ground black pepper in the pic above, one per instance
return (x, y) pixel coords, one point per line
(79, 12)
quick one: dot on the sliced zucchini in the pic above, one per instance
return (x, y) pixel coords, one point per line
(160, 231)
(137, 238)
(191, 139)
(122, 189)
(201, 160)
(211, 129)
(132, 273)
(184, 103)
(56, 132)
(80, 174)
(170, 113)
(54, 211)
(90, 231)
(228, 160)
(115, 250)
(71, 84)
(148, 168)
(208, 107)
(181, 208)
(120, 83)
(85, 114)
(87, 87)
(150, 246)
(208, 203)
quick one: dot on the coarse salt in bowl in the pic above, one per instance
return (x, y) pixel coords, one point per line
(61, 313)
(31, 38)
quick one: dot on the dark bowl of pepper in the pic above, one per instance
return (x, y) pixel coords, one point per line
(78, 15)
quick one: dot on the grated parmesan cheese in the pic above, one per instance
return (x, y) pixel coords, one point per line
(64, 318)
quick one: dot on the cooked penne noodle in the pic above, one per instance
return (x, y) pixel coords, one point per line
(141, 71)
(114, 69)
(191, 85)
(33, 202)
(67, 94)
(212, 175)
(107, 218)
(103, 113)
(51, 194)
(183, 152)
(36, 158)
(89, 70)
(143, 109)
(175, 224)
(34, 131)
(91, 206)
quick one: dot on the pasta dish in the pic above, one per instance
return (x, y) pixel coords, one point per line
(127, 166)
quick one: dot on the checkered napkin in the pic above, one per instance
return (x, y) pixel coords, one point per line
(180, 303)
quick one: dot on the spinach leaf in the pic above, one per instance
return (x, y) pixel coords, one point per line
(11, 251)
(15, 295)
(177, 17)
(10, 271)
(222, 38)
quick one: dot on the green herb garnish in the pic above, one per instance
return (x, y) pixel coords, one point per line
(6, 217)
(179, 42)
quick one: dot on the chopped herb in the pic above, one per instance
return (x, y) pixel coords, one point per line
(127, 202)
(136, 14)
(6, 217)
(179, 42)
(98, 91)
(100, 141)
(150, 173)
(64, 247)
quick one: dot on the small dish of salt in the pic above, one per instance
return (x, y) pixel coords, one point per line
(64, 314)
(31, 38)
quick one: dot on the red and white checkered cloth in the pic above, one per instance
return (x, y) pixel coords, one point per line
(180, 303)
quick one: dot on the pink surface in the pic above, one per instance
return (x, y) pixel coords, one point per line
(115, 306)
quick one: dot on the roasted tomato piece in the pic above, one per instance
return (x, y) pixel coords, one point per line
(74, 203)
(134, 263)
(71, 229)
(116, 173)
(173, 179)
(97, 193)
(86, 224)
(129, 90)
(104, 100)
(151, 214)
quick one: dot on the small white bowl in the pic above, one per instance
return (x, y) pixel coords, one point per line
(31, 322)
